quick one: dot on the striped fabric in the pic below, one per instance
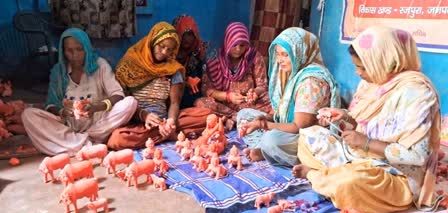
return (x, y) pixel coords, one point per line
(218, 68)
(238, 187)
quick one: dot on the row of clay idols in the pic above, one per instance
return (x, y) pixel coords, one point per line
(84, 169)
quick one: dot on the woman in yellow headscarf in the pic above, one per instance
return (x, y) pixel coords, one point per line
(387, 161)
(149, 72)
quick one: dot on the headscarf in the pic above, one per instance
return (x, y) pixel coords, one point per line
(401, 54)
(137, 67)
(303, 49)
(219, 67)
(391, 53)
(59, 76)
(186, 23)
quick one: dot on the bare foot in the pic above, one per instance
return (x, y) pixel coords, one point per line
(300, 171)
(253, 155)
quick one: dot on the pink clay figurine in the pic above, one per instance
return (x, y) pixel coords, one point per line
(162, 166)
(78, 109)
(187, 151)
(180, 141)
(286, 205)
(90, 152)
(148, 152)
(72, 172)
(234, 159)
(158, 155)
(264, 199)
(75, 191)
(100, 203)
(159, 183)
(215, 169)
(275, 209)
(198, 161)
(114, 158)
(144, 167)
(49, 164)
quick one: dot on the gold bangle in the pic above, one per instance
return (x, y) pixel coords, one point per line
(108, 104)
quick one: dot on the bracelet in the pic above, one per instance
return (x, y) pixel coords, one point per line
(228, 96)
(366, 145)
(108, 104)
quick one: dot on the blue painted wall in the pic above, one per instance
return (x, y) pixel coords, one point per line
(212, 16)
(337, 59)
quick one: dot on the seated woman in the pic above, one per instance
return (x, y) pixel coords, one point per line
(235, 78)
(151, 74)
(299, 85)
(388, 162)
(80, 76)
(192, 55)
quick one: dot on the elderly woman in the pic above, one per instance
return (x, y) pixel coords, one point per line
(387, 161)
(81, 83)
(149, 72)
(299, 86)
(191, 54)
(235, 78)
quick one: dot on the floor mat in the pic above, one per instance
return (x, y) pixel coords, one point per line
(239, 187)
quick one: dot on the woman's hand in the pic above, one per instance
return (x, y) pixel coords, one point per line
(252, 96)
(248, 127)
(354, 139)
(330, 114)
(66, 112)
(193, 84)
(90, 109)
(236, 98)
(167, 127)
(152, 120)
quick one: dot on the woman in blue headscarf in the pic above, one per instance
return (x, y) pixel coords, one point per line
(85, 102)
(299, 85)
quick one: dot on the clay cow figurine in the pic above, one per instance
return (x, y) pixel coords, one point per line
(144, 167)
(264, 199)
(100, 203)
(49, 164)
(72, 172)
(90, 152)
(125, 156)
(159, 183)
(75, 191)
(234, 159)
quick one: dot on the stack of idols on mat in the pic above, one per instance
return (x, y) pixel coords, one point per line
(204, 151)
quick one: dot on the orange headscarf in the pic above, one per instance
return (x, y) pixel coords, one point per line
(137, 67)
